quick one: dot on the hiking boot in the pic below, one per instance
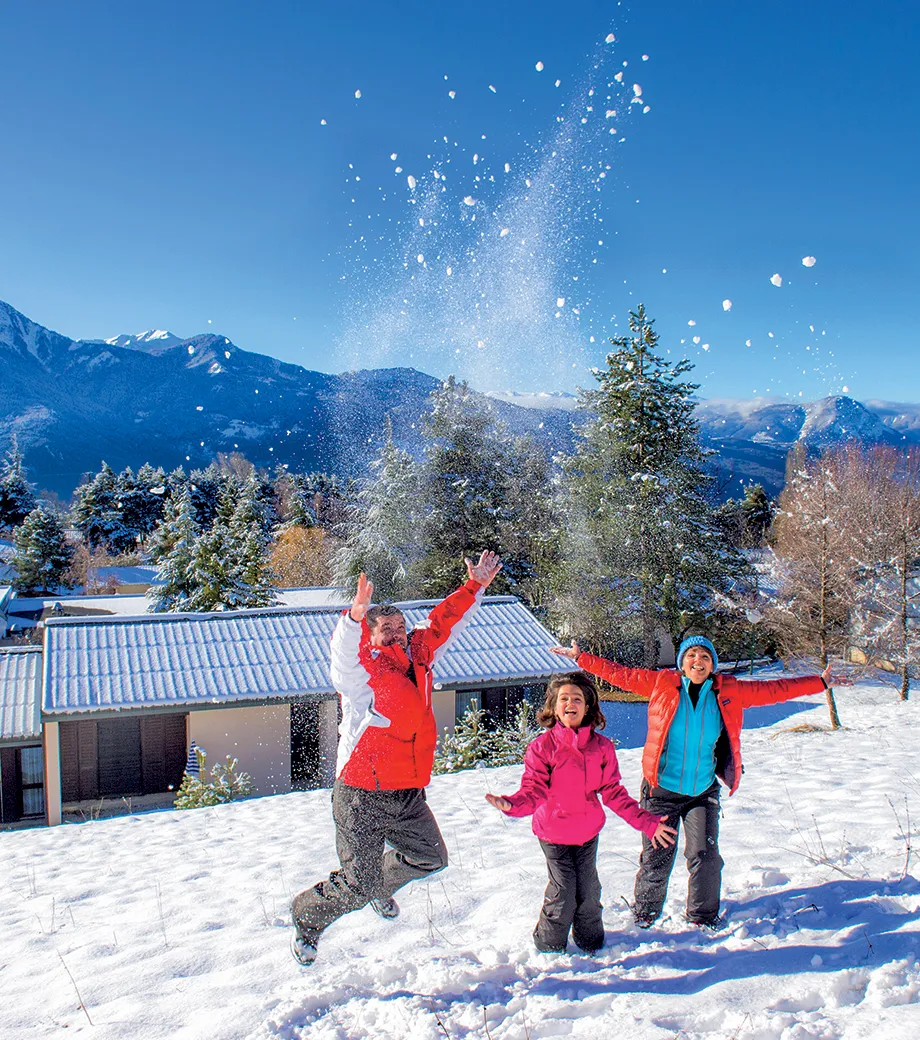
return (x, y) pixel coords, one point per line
(387, 908)
(644, 920)
(711, 924)
(303, 948)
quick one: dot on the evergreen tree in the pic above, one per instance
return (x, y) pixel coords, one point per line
(463, 486)
(470, 742)
(381, 531)
(17, 497)
(205, 486)
(98, 515)
(644, 550)
(41, 556)
(230, 561)
(172, 549)
(143, 497)
(757, 511)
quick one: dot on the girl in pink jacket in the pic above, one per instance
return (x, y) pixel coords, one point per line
(568, 771)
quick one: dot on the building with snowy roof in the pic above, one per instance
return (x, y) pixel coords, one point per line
(123, 697)
(21, 765)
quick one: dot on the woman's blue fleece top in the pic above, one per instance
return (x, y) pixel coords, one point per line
(688, 761)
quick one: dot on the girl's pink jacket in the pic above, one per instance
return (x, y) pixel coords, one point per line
(567, 773)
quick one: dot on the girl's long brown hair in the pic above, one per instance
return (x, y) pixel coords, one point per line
(546, 716)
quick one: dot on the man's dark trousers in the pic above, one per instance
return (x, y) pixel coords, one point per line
(700, 817)
(572, 900)
(366, 821)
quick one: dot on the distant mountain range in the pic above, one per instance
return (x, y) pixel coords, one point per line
(155, 397)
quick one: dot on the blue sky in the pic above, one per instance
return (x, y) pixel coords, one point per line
(166, 165)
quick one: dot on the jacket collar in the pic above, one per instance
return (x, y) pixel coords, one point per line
(395, 655)
(572, 738)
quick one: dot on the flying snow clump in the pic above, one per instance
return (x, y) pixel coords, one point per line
(357, 93)
(777, 279)
(808, 261)
(539, 66)
(468, 200)
(610, 38)
(412, 182)
(560, 302)
(726, 305)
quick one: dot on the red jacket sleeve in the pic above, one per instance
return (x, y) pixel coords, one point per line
(756, 693)
(534, 789)
(446, 620)
(636, 680)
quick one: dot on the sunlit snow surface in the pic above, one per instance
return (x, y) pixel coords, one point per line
(506, 228)
(174, 925)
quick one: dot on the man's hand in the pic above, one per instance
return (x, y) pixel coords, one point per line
(565, 651)
(485, 570)
(362, 601)
(498, 802)
(664, 835)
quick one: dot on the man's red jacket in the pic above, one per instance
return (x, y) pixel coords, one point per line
(388, 732)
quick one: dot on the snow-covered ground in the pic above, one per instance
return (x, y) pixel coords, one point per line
(174, 924)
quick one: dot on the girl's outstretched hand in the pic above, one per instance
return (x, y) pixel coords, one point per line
(565, 651)
(498, 802)
(664, 835)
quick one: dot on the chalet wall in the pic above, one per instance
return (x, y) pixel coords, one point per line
(260, 738)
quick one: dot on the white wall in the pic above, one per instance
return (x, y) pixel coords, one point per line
(259, 737)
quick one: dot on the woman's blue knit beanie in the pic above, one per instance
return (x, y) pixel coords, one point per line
(697, 641)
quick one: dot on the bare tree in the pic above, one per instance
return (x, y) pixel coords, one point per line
(811, 613)
(884, 536)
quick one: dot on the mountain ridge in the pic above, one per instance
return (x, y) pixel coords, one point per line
(169, 400)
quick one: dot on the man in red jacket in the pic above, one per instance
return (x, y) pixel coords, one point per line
(386, 750)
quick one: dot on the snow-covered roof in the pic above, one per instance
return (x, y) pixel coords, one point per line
(20, 676)
(186, 660)
(6, 594)
(126, 575)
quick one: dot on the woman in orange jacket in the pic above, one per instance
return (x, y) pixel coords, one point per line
(694, 740)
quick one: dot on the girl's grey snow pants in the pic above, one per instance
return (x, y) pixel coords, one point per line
(572, 900)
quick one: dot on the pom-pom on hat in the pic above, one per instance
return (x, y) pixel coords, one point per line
(697, 641)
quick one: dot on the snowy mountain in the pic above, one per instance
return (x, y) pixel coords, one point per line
(171, 401)
(154, 396)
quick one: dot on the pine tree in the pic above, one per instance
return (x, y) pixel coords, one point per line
(470, 742)
(98, 513)
(172, 549)
(41, 556)
(229, 567)
(757, 511)
(17, 497)
(463, 486)
(644, 550)
(381, 531)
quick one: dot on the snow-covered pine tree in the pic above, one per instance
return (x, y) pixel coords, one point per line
(462, 485)
(41, 555)
(17, 496)
(381, 530)
(470, 742)
(143, 498)
(644, 550)
(97, 513)
(510, 742)
(171, 549)
(230, 561)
